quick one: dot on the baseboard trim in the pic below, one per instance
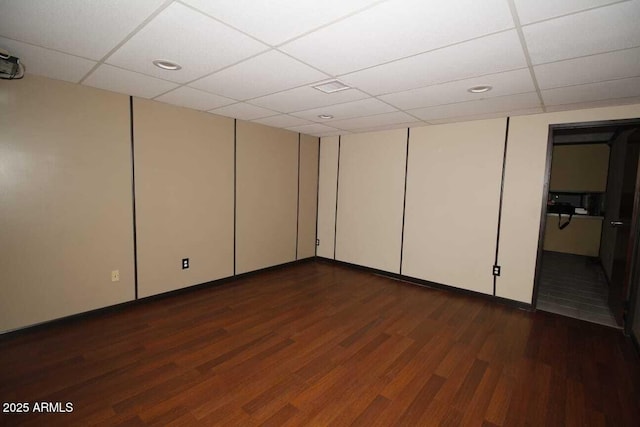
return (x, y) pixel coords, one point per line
(274, 267)
(12, 333)
(429, 284)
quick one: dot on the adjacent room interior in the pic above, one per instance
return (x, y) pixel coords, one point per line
(589, 235)
(364, 212)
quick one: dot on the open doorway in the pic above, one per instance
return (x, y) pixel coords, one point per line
(588, 231)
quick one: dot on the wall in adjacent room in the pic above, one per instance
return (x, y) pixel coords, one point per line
(576, 168)
(66, 218)
(580, 237)
(580, 168)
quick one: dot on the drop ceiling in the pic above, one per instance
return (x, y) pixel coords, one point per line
(408, 62)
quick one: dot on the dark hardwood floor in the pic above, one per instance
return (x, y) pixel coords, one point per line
(318, 344)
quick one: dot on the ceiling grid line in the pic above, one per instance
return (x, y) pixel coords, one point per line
(455, 80)
(328, 24)
(128, 37)
(551, 18)
(525, 49)
(426, 51)
(587, 84)
(49, 48)
(202, 12)
(214, 72)
(139, 72)
(586, 56)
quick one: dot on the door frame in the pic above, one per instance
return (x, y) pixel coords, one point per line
(634, 268)
(545, 196)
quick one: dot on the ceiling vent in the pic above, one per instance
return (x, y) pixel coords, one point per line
(331, 86)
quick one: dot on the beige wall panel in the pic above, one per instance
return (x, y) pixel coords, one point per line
(579, 167)
(327, 195)
(308, 196)
(580, 237)
(370, 199)
(267, 196)
(453, 193)
(65, 200)
(523, 189)
(184, 196)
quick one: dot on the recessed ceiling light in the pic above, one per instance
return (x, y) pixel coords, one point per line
(166, 65)
(325, 116)
(480, 89)
(331, 86)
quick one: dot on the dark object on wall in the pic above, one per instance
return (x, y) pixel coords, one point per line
(10, 67)
(562, 209)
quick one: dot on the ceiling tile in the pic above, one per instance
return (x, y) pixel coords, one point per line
(243, 111)
(594, 104)
(592, 92)
(88, 28)
(313, 129)
(305, 98)
(537, 10)
(482, 106)
(48, 63)
(589, 69)
(198, 43)
(282, 121)
(526, 111)
(396, 29)
(128, 82)
(293, 17)
(192, 98)
(363, 107)
(379, 120)
(487, 55)
(594, 31)
(267, 73)
(508, 83)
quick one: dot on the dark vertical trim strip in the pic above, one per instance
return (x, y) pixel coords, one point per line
(504, 163)
(133, 199)
(404, 202)
(315, 243)
(298, 201)
(235, 189)
(335, 222)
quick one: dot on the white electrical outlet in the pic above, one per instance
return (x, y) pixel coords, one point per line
(115, 276)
